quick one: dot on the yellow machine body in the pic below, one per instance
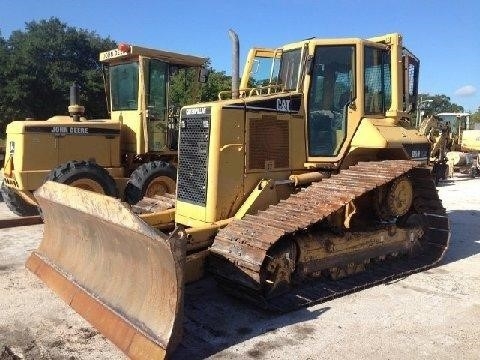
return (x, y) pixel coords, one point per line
(470, 140)
(35, 147)
(316, 149)
(264, 135)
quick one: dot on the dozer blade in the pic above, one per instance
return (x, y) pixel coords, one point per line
(121, 275)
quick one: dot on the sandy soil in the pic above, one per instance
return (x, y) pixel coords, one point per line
(434, 314)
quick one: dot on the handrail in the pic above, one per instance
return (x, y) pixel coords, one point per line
(253, 91)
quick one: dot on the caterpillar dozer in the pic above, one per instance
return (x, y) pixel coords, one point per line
(302, 184)
(129, 155)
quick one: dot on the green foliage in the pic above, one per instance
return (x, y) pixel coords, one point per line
(217, 81)
(3, 82)
(38, 65)
(475, 117)
(438, 104)
(185, 90)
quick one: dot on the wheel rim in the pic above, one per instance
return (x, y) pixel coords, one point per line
(159, 186)
(400, 197)
(88, 184)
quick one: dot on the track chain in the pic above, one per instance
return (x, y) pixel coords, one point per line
(154, 204)
(240, 248)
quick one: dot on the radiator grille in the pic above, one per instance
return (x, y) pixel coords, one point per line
(193, 159)
(268, 143)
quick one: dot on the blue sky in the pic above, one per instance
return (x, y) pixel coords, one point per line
(445, 35)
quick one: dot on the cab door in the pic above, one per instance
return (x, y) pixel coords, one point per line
(331, 90)
(156, 78)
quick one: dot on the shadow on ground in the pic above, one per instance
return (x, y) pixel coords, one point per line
(456, 179)
(215, 321)
(465, 235)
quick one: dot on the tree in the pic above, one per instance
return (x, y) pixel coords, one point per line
(39, 65)
(438, 104)
(216, 81)
(475, 117)
(3, 64)
(184, 88)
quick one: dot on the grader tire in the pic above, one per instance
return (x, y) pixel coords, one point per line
(149, 179)
(16, 203)
(85, 175)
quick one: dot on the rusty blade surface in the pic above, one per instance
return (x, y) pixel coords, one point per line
(20, 221)
(121, 275)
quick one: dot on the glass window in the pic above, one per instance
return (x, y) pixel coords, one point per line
(157, 85)
(289, 69)
(124, 86)
(410, 86)
(264, 69)
(378, 92)
(331, 90)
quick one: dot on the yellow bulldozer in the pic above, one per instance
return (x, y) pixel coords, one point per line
(304, 185)
(129, 155)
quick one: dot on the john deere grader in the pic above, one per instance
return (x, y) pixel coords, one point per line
(304, 185)
(129, 155)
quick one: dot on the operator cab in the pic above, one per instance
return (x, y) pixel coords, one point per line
(137, 86)
(343, 82)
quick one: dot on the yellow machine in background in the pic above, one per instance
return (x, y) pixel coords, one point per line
(439, 134)
(132, 154)
(462, 148)
(307, 186)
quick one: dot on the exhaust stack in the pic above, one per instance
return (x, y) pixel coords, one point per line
(235, 63)
(75, 110)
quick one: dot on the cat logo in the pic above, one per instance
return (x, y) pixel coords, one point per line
(196, 111)
(283, 105)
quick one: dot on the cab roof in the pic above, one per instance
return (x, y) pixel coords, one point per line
(125, 51)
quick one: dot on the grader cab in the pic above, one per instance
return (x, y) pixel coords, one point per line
(129, 155)
(307, 186)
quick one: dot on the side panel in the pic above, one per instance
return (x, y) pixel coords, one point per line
(132, 130)
(471, 140)
(33, 150)
(89, 147)
(382, 139)
(227, 165)
(33, 154)
(211, 168)
(38, 147)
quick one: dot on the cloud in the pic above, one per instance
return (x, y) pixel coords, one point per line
(467, 90)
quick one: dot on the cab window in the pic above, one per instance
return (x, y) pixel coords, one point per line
(289, 69)
(264, 71)
(124, 86)
(157, 85)
(378, 93)
(331, 90)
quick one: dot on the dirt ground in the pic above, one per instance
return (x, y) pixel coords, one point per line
(434, 314)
